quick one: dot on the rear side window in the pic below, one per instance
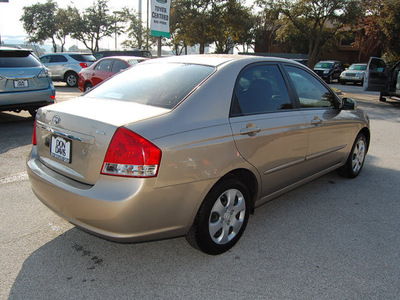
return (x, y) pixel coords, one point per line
(18, 59)
(161, 85)
(260, 89)
(83, 57)
(58, 58)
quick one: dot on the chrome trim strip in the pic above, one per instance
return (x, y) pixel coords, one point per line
(84, 139)
(284, 166)
(322, 153)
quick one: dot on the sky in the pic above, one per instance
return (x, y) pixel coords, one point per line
(12, 31)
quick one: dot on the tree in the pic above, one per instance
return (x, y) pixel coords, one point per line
(321, 21)
(65, 19)
(94, 24)
(229, 24)
(139, 36)
(266, 25)
(40, 23)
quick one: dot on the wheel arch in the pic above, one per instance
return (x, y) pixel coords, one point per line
(70, 72)
(366, 132)
(249, 179)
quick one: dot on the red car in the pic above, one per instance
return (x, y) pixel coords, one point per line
(105, 68)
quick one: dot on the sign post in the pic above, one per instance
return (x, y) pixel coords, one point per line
(159, 26)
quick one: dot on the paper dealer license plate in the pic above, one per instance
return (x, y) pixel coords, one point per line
(60, 148)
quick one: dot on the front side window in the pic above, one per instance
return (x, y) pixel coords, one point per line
(157, 84)
(118, 66)
(311, 92)
(260, 89)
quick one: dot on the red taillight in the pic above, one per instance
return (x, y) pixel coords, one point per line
(34, 141)
(129, 154)
(83, 65)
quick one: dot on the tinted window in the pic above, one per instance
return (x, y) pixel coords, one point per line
(358, 67)
(162, 85)
(311, 92)
(260, 89)
(118, 66)
(324, 65)
(57, 58)
(104, 65)
(18, 59)
(83, 57)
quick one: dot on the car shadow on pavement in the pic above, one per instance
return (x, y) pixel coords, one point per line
(15, 131)
(330, 238)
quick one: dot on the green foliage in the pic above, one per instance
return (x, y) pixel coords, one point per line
(95, 23)
(40, 23)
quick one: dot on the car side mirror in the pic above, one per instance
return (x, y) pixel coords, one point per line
(349, 104)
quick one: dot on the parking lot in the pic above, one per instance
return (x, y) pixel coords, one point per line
(333, 238)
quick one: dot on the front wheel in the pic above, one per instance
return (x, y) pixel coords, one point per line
(221, 219)
(355, 161)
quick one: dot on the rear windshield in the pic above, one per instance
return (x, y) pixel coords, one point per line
(156, 84)
(18, 59)
(83, 57)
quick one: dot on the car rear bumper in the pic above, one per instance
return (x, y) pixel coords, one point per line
(27, 99)
(117, 208)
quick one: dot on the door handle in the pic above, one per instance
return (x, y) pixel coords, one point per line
(316, 121)
(250, 129)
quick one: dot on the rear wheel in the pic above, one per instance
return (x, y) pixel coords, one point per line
(88, 86)
(221, 219)
(355, 161)
(71, 79)
(32, 112)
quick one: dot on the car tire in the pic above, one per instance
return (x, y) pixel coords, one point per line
(342, 82)
(355, 161)
(330, 78)
(32, 112)
(88, 87)
(71, 79)
(381, 98)
(222, 218)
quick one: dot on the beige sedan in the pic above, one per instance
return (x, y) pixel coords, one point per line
(190, 146)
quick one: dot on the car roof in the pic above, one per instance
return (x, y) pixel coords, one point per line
(14, 49)
(219, 59)
(67, 53)
(123, 57)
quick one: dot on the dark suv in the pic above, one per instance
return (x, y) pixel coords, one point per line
(24, 81)
(141, 53)
(329, 70)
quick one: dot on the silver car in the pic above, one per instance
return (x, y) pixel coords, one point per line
(24, 82)
(190, 146)
(66, 66)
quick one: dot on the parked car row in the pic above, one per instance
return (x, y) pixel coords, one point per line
(333, 70)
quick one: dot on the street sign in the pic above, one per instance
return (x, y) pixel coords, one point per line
(159, 25)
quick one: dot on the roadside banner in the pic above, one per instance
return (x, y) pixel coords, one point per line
(159, 25)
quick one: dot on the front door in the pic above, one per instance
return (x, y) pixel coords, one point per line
(376, 75)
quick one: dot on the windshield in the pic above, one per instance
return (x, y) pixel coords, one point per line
(157, 84)
(324, 65)
(358, 67)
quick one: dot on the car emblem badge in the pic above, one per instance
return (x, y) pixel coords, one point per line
(56, 120)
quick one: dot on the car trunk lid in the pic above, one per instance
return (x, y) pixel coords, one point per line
(73, 136)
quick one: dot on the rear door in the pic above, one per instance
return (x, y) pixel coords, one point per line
(376, 75)
(268, 131)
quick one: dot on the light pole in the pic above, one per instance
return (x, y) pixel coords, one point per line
(115, 32)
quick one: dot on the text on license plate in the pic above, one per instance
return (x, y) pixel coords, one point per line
(60, 148)
(21, 83)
